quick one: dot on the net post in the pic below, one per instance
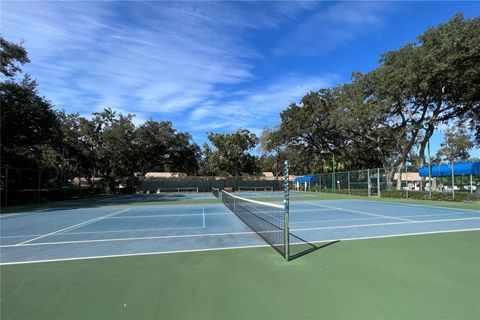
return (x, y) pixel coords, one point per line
(286, 204)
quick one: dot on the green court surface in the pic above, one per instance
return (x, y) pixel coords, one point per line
(416, 277)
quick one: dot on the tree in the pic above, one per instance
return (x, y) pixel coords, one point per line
(230, 155)
(161, 148)
(107, 141)
(30, 130)
(456, 145)
(382, 116)
(436, 79)
(330, 121)
(11, 55)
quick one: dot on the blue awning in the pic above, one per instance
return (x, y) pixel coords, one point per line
(445, 170)
(306, 179)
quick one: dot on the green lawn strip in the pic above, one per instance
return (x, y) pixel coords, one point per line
(418, 277)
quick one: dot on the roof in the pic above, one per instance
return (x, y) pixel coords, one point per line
(410, 176)
(164, 175)
(306, 179)
(459, 169)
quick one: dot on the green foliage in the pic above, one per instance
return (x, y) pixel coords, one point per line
(381, 117)
(11, 55)
(230, 156)
(159, 147)
(456, 144)
(30, 131)
(424, 195)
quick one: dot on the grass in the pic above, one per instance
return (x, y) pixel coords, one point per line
(418, 277)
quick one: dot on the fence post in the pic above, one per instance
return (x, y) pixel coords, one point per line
(348, 179)
(406, 180)
(453, 182)
(39, 185)
(378, 182)
(333, 182)
(6, 187)
(368, 183)
(471, 183)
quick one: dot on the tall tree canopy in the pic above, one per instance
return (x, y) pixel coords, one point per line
(230, 154)
(30, 130)
(380, 117)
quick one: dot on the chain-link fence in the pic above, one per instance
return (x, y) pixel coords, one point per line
(205, 184)
(22, 185)
(458, 181)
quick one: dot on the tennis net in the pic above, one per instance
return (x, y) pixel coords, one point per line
(216, 192)
(255, 188)
(171, 190)
(266, 219)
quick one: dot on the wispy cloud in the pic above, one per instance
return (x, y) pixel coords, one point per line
(190, 62)
(254, 109)
(141, 56)
(333, 26)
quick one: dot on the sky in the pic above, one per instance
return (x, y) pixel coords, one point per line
(209, 66)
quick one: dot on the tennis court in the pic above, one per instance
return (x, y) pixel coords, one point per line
(122, 230)
(135, 257)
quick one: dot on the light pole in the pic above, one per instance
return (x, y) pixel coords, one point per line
(333, 174)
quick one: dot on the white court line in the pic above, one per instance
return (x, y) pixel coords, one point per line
(20, 236)
(385, 224)
(184, 228)
(360, 212)
(128, 230)
(438, 214)
(73, 227)
(231, 233)
(203, 211)
(131, 239)
(172, 215)
(228, 248)
(37, 211)
(417, 205)
(334, 220)
(228, 213)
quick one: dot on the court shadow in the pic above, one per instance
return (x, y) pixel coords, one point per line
(299, 249)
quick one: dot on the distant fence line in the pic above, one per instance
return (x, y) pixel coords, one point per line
(205, 184)
(24, 185)
(405, 183)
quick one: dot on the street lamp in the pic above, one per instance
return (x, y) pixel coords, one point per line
(333, 174)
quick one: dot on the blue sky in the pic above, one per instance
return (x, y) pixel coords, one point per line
(208, 66)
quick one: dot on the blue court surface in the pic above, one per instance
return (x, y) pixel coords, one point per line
(193, 196)
(122, 230)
